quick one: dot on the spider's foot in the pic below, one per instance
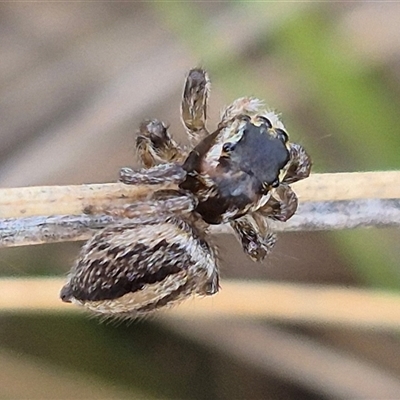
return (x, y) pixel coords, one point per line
(194, 104)
(155, 145)
(257, 242)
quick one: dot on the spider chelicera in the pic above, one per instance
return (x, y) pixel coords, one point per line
(161, 254)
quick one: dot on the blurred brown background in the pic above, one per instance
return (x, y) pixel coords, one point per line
(76, 79)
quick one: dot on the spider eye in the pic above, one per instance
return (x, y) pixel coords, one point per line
(275, 183)
(265, 121)
(282, 135)
(244, 117)
(264, 189)
(228, 147)
(267, 186)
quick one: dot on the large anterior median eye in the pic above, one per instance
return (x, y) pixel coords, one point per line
(282, 135)
(266, 186)
(265, 121)
(275, 183)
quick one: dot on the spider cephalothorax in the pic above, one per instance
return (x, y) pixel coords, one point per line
(238, 174)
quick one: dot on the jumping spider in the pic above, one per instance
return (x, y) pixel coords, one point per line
(238, 174)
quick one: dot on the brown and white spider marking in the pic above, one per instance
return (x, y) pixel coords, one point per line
(238, 174)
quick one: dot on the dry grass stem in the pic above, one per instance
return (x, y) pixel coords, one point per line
(299, 303)
(74, 199)
(34, 215)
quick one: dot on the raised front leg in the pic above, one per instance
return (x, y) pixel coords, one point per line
(253, 233)
(194, 105)
(155, 145)
(300, 164)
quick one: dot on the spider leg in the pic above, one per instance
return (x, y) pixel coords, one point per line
(194, 104)
(131, 269)
(252, 229)
(299, 165)
(254, 235)
(155, 145)
(161, 202)
(162, 173)
(281, 205)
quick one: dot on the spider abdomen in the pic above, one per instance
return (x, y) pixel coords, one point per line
(142, 267)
